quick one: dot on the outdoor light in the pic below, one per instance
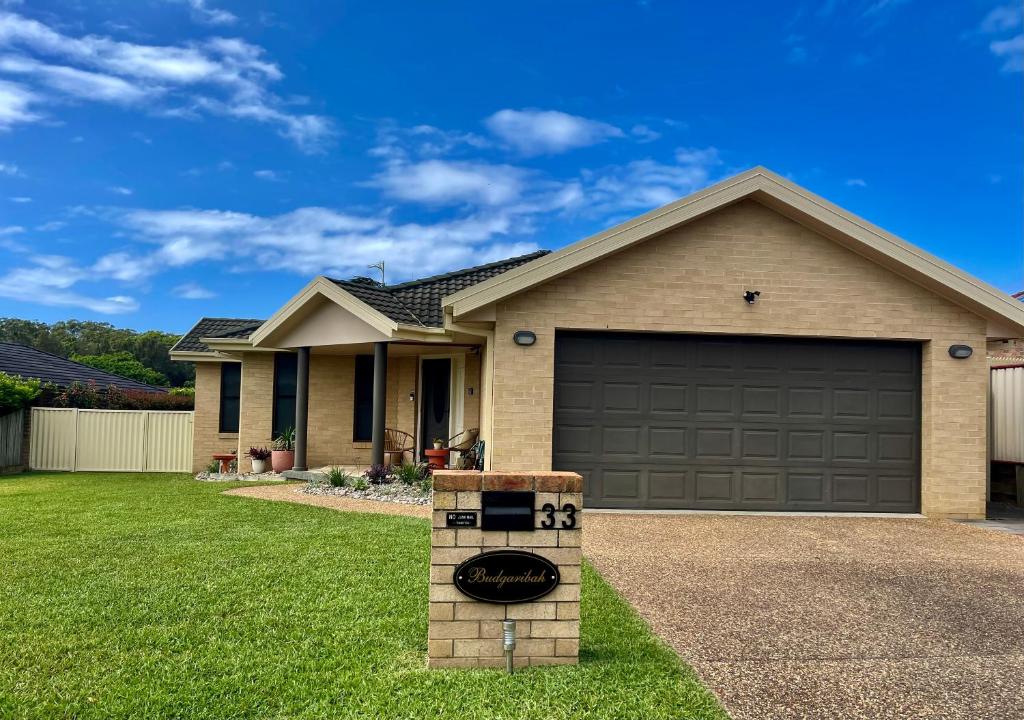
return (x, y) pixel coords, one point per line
(751, 297)
(960, 352)
(524, 337)
(412, 396)
(508, 633)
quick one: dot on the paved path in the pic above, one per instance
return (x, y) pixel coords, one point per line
(290, 493)
(829, 617)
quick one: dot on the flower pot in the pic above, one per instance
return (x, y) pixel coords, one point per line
(438, 446)
(259, 466)
(282, 460)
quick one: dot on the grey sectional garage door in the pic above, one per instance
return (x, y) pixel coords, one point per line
(712, 422)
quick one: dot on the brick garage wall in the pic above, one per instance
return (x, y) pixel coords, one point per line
(207, 439)
(464, 632)
(691, 280)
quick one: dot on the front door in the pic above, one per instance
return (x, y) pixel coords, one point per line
(435, 403)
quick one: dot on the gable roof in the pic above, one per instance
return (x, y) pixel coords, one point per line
(31, 363)
(418, 302)
(208, 327)
(781, 195)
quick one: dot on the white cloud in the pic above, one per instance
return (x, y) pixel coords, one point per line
(51, 226)
(49, 281)
(645, 184)
(644, 134)
(120, 190)
(14, 105)
(442, 182)
(548, 132)
(856, 182)
(210, 16)
(1011, 52)
(9, 169)
(20, 199)
(220, 76)
(193, 291)
(1003, 18)
(266, 175)
(12, 230)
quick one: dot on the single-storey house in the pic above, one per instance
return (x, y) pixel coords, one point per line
(750, 346)
(27, 362)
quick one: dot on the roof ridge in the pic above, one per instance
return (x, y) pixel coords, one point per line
(463, 271)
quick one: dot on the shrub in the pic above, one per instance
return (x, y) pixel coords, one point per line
(378, 474)
(16, 392)
(359, 483)
(259, 453)
(339, 477)
(427, 481)
(89, 395)
(125, 364)
(213, 467)
(286, 440)
(411, 473)
(183, 392)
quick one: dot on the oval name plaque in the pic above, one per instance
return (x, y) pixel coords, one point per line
(506, 576)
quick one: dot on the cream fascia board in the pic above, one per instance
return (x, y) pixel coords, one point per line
(322, 286)
(757, 181)
(196, 356)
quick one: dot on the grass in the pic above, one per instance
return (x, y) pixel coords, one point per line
(156, 596)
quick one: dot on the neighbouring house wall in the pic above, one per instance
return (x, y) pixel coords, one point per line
(331, 405)
(692, 279)
(206, 438)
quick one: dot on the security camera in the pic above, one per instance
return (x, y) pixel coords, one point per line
(751, 297)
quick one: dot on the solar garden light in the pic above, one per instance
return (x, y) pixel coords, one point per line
(508, 633)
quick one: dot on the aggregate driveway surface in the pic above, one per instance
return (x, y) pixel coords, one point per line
(820, 617)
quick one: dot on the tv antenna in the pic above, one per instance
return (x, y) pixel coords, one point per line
(379, 266)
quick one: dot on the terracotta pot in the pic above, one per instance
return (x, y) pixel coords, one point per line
(282, 460)
(259, 466)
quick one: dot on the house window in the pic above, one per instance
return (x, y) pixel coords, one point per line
(230, 396)
(362, 423)
(285, 374)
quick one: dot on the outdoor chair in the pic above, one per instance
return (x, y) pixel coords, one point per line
(397, 442)
(462, 443)
(473, 458)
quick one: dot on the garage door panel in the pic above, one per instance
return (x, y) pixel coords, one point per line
(678, 421)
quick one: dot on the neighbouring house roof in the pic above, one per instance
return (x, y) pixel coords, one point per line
(418, 302)
(209, 327)
(1005, 314)
(31, 363)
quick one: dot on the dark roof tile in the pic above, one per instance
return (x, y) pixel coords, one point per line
(214, 327)
(31, 363)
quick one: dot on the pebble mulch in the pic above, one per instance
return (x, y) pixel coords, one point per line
(235, 477)
(394, 492)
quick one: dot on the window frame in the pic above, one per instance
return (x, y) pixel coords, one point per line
(276, 397)
(221, 427)
(361, 393)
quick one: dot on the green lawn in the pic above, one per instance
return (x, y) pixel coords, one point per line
(156, 596)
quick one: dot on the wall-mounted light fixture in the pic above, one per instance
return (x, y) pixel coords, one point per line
(751, 296)
(412, 396)
(960, 352)
(524, 337)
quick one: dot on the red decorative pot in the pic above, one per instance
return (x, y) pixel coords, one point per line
(281, 460)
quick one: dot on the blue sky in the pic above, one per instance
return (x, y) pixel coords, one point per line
(166, 159)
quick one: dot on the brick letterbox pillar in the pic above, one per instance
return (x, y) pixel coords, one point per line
(467, 632)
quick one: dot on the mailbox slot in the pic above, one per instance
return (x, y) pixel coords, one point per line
(507, 510)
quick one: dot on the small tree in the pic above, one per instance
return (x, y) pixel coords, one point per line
(16, 392)
(124, 364)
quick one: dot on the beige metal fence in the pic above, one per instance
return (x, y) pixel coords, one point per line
(1008, 414)
(111, 440)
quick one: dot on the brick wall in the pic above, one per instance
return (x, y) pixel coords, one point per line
(207, 439)
(691, 280)
(464, 632)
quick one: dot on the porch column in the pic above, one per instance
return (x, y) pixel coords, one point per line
(380, 398)
(301, 407)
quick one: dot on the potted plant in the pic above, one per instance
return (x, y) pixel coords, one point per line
(259, 456)
(438, 443)
(283, 455)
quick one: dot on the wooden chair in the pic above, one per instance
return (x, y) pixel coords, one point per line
(397, 442)
(461, 444)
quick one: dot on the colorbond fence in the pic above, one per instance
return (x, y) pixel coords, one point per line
(111, 440)
(1008, 414)
(12, 430)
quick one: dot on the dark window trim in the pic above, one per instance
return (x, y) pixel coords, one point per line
(221, 427)
(360, 393)
(276, 397)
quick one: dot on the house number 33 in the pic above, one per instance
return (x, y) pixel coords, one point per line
(549, 511)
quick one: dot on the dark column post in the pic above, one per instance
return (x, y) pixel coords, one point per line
(301, 408)
(380, 398)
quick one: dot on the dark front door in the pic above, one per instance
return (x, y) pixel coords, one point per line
(435, 401)
(739, 423)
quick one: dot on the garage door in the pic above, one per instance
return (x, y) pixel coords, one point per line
(739, 423)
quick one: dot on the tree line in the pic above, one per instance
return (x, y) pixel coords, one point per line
(142, 356)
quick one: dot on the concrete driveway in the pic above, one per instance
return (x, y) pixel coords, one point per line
(816, 617)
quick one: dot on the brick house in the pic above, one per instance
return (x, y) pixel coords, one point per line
(750, 346)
